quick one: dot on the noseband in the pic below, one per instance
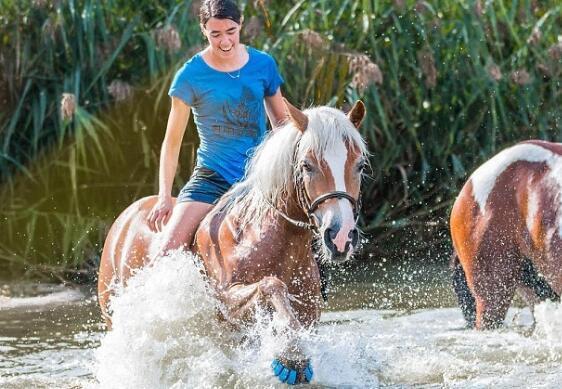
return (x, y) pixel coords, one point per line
(332, 195)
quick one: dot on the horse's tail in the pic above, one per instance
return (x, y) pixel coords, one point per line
(536, 282)
(464, 296)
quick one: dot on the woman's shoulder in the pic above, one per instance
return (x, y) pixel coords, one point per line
(192, 64)
(259, 56)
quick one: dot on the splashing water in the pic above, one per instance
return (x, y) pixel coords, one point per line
(548, 316)
(166, 335)
(164, 330)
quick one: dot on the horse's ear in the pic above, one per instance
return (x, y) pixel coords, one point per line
(298, 118)
(357, 113)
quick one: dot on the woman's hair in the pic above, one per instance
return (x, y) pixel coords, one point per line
(220, 9)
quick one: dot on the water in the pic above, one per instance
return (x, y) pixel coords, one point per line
(391, 328)
(47, 336)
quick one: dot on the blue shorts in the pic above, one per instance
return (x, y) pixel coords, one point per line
(205, 186)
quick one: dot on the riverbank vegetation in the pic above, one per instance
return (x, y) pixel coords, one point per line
(84, 82)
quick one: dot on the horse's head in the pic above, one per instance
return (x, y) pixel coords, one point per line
(331, 156)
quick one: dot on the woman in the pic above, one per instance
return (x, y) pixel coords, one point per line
(225, 86)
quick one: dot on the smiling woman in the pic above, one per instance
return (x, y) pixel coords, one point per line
(225, 86)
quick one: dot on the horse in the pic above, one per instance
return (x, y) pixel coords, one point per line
(506, 228)
(261, 245)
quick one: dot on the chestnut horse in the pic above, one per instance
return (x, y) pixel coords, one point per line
(301, 187)
(506, 226)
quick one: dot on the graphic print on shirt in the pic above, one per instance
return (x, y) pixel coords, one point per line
(242, 118)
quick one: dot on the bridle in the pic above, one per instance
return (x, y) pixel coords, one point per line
(310, 206)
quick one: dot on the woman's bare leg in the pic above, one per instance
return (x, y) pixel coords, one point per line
(180, 229)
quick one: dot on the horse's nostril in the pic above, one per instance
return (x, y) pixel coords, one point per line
(354, 236)
(329, 236)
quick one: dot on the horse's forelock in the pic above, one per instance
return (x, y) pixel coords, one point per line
(327, 127)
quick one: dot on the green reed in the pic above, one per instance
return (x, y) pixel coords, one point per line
(76, 46)
(61, 177)
(442, 107)
(56, 218)
(437, 109)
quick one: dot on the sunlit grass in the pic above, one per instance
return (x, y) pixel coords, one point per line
(79, 47)
(55, 218)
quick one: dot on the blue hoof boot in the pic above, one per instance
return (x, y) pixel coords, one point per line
(292, 378)
(277, 367)
(308, 373)
(292, 372)
(284, 374)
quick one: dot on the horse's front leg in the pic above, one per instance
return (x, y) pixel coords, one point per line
(240, 302)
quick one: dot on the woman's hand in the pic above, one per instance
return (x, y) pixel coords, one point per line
(160, 213)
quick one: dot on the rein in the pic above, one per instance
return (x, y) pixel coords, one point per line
(297, 223)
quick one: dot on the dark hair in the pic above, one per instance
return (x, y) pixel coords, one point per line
(220, 9)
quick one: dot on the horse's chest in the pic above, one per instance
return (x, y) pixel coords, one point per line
(253, 259)
(257, 258)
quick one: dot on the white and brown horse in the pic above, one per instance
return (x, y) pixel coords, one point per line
(302, 185)
(506, 226)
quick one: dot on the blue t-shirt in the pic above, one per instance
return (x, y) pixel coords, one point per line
(228, 109)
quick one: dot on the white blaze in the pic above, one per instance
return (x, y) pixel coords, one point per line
(336, 159)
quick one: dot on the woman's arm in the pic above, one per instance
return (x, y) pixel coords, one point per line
(276, 110)
(169, 154)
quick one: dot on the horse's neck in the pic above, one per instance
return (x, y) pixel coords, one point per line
(302, 273)
(296, 240)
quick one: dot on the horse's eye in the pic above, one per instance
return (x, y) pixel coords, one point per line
(361, 166)
(307, 167)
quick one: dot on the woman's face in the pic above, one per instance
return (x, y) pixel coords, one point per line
(223, 36)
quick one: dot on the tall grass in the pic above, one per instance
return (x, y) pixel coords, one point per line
(63, 180)
(54, 223)
(79, 47)
(446, 84)
(455, 90)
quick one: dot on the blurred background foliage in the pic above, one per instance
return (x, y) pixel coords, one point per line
(83, 94)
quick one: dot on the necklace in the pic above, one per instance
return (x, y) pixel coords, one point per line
(237, 75)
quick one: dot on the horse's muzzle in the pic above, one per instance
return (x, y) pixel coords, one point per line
(337, 255)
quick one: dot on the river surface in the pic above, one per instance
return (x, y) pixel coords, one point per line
(399, 329)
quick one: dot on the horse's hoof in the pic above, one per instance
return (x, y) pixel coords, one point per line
(292, 372)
